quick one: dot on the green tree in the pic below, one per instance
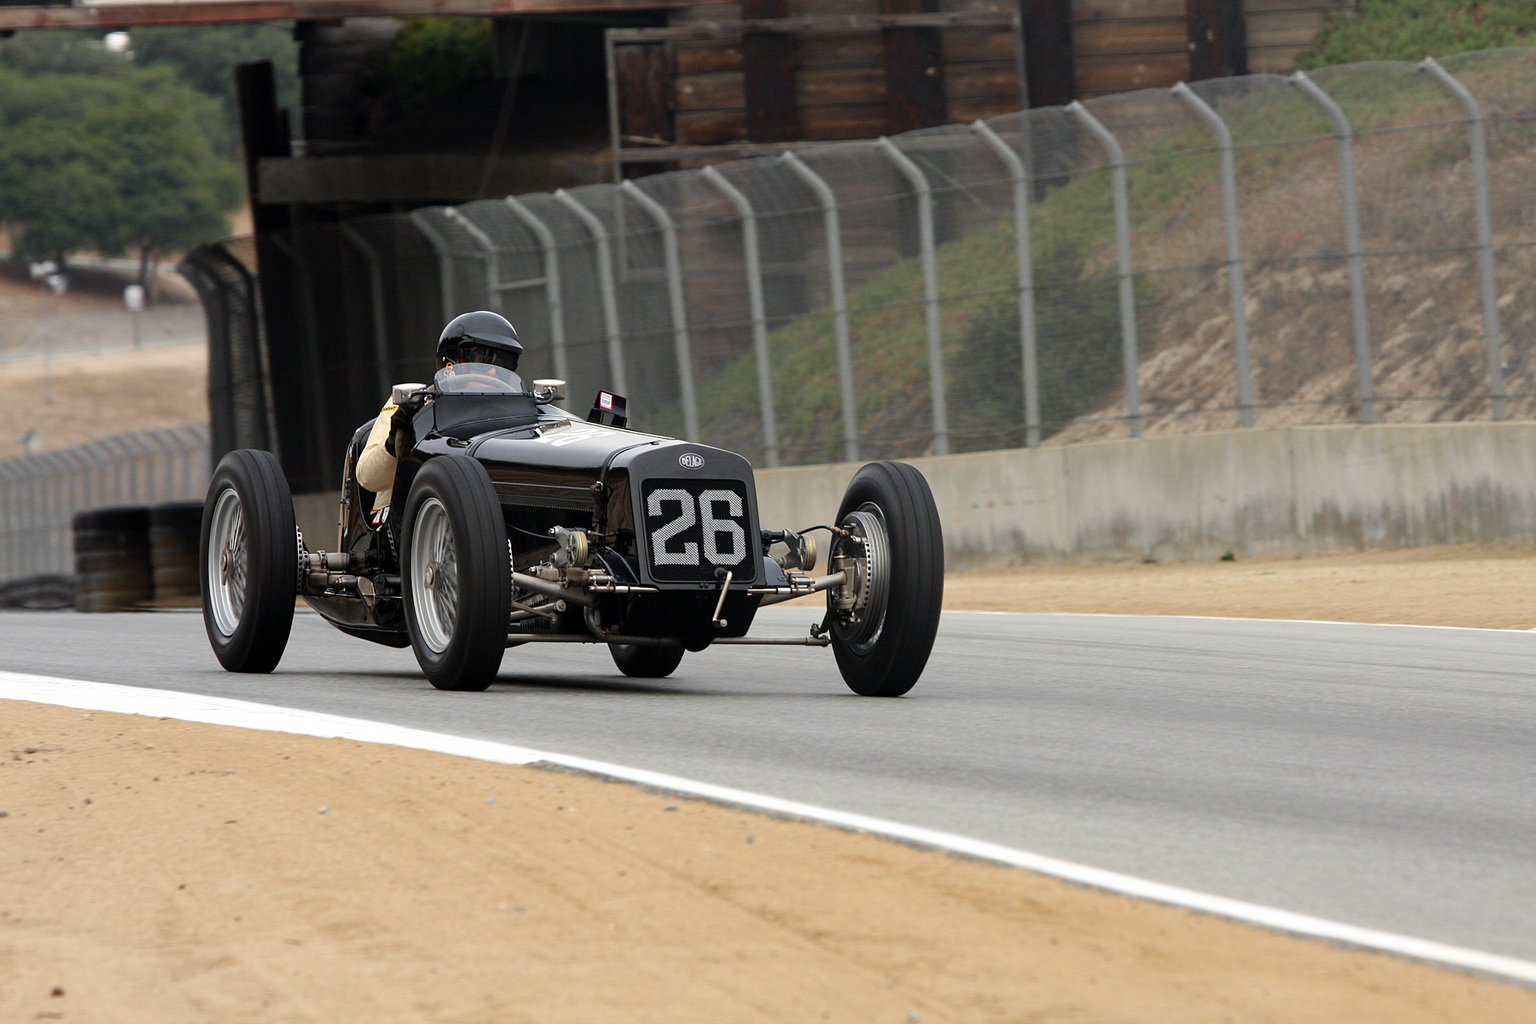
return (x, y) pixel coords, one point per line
(435, 57)
(61, 51)
(101, 163)
(204, 57)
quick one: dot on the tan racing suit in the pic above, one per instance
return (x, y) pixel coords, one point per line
(376, 467)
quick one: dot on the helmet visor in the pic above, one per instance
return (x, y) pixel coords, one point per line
(471, 351)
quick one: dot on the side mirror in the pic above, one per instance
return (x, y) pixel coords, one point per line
(400, 393)
(548, 390)
(609, 410)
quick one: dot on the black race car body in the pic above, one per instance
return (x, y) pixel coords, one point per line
(664, 521)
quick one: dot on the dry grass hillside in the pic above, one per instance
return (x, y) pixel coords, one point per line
(1428, 345)
(70, 372)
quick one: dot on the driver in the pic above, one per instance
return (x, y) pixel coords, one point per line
(480, 337)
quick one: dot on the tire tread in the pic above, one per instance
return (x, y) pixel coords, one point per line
(916, 598)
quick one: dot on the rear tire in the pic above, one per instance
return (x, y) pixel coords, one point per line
(248, 561)
(456, 573)
(643, 662)
(883, 644)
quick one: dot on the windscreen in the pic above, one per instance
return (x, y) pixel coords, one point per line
(478, 378)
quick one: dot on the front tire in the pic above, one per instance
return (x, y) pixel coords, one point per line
(884, 621)
(456, 573)
(641, 661)
(248, 561)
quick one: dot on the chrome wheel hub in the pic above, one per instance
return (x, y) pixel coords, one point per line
(865, 556)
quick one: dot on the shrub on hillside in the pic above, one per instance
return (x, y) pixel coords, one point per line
(1414, 29)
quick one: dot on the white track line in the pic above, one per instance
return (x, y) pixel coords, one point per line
(192, 707)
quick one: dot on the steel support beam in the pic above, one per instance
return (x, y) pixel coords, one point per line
(757, 307)
(681, 348)
(937, 396)
(1129, 344)
(1486, 270)
(838, 289)
(1019, 175)
(605, 286)
(1351, 200)
(1236, 284)
(553, 304)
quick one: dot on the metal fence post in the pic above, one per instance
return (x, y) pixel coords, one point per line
(758, 313)
(939, 399)
(1479, 139)
(445, 275)
(832, 229)
(487, 256)
(1128, 340)
(674, 269)
(553, 303)
(604, 285)
(375, 301)
(1020, 176)
(1362, 327)
(1235, 282)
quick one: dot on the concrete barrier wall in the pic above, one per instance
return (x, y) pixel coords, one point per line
(1290, 490)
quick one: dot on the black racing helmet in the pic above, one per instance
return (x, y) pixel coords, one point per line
(480, 337)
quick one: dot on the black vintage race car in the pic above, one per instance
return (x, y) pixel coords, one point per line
(513, 522)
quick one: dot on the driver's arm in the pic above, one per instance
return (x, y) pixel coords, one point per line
(376, 466)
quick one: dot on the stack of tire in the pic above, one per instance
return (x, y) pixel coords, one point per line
(173, 536)
(130, 556)
(112, 559)
(48, 591)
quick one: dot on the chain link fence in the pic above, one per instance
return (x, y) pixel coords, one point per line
(1352, 245)
(39, 494)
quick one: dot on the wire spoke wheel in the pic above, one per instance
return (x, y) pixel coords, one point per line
(456, 573)
(435, 575)
(248, 561)
(227, 562)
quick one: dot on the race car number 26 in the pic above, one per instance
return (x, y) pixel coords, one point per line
(714, 513)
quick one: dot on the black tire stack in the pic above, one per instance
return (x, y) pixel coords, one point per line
(112, 559)
(128, 556)
(49, 591)
(173, 536)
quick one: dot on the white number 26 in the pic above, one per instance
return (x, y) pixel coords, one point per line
(725, 542)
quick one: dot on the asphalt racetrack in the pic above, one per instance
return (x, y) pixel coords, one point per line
(1383, 776)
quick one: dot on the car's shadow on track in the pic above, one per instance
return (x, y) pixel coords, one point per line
(510, 683)
(591, 684)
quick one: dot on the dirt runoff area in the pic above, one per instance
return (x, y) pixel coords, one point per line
(1486, 586)
(80, 398)
(154, 872)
